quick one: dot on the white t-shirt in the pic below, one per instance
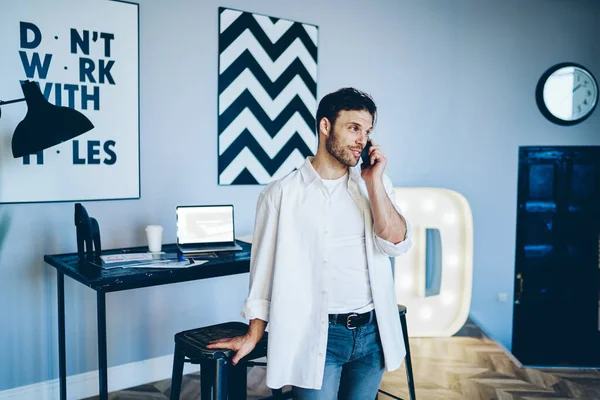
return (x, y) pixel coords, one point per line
(349, 276)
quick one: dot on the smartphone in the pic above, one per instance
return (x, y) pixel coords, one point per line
(365, 155)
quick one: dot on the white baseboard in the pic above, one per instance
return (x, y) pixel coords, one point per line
(86, 385)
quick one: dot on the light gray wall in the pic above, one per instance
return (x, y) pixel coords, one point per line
(503, 49)
(454, 81)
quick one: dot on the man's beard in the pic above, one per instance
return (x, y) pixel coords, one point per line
(339, 152)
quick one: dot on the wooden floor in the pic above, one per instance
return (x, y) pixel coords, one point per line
(465, 366)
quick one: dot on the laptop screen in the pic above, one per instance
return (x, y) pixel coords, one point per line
(204, 224)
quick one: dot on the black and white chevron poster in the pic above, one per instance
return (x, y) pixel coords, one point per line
(267, 96)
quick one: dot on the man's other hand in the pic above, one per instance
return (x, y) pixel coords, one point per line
(242, 345)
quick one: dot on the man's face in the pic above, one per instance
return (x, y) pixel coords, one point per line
(348, 137)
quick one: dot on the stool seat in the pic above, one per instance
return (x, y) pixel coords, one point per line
(219, 379)
(196, 340)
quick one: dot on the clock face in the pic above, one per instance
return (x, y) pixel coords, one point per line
(567, 94)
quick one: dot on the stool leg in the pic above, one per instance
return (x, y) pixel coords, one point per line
(238, 381)
(177, 376)
(207, 378)
(220, 381)
(409, 371)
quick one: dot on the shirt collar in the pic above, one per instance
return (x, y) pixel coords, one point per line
(310, 175)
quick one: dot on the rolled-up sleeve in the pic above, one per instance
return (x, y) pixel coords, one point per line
(388, 248)
(258, 302)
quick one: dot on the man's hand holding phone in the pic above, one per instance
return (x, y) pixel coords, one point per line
(373, 163)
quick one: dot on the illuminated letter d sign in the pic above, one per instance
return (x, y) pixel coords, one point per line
(428, 209)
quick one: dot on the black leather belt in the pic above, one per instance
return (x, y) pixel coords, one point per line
(352, 320)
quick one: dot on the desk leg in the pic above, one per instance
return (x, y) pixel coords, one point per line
(62, 357)
(102, 359)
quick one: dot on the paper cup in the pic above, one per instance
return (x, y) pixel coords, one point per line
(154, 235)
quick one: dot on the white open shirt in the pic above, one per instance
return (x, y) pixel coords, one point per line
(289, 276)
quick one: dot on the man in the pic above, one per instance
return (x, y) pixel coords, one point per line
(320, 272)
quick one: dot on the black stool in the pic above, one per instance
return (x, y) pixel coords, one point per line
(407, 361)
(219, 379)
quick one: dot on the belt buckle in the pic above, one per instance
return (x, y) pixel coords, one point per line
(348, 321)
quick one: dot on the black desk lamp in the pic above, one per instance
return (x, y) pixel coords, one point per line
(45, 124)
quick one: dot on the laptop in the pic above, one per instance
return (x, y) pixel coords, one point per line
(204, 229)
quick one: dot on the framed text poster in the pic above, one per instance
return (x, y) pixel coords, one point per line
(83, 55)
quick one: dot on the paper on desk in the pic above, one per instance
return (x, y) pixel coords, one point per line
(169, 264)
(113, 258)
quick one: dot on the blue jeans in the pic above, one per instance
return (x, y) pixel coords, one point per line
(354, 365)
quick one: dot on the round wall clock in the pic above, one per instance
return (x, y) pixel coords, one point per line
(567, 94)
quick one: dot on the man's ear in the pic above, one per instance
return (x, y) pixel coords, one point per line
(324, 126)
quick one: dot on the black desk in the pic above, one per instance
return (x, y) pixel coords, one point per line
(117, 279)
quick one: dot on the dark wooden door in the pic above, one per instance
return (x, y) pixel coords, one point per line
(556, 302)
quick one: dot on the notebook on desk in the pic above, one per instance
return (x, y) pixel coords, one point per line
(205, 229)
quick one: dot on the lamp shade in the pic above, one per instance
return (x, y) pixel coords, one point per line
(45, 124)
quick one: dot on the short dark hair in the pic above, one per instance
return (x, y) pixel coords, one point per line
(348, 99)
